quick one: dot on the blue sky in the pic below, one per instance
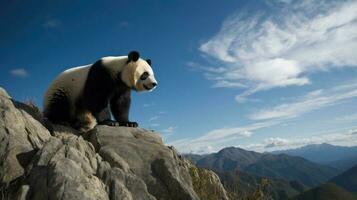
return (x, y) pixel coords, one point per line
(261, 75)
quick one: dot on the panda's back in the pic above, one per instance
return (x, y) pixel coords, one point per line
(70, 82)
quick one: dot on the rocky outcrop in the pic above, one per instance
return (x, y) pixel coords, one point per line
(20, 137)
(39, 160)
(206, 183)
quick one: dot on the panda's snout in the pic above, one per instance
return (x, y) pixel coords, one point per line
(150, 86)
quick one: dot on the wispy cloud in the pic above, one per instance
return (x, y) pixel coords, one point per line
(281, 48)
(312, 101)
(169, 130)
(19, 72)
(52, 23)
(211, 74)
(154, 125)
(347, 118)
(218, 138)
(154, 118)
(346, 137)
(147, 105)
(124, 24)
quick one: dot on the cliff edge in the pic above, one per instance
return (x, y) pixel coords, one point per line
(40, 160)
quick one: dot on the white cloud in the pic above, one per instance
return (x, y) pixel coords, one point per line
(227, 84)
(196, 66)
(124, 24)
(347, 137)
(246, 133)
(147, 105)
(312, 101)
(154, 118)
(169, 130)
(347, 118)
(52, 23)
(154, 125)
(218, 138)
(282, 47)
(19, 72)
(223, 137)
(275, 142)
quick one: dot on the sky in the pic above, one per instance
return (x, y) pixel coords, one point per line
(257, 74)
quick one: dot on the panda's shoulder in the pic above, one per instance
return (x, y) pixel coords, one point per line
(108, 60)
(113, 63)
(76, 69)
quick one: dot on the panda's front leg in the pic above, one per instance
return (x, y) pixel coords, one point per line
(104, 118)
(120, 105)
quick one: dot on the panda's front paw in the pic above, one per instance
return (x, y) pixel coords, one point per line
(129, 124)
(109, 122)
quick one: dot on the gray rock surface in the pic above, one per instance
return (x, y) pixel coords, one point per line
(59, 162)
(20, 137)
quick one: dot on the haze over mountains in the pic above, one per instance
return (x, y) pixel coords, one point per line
(339, 157)
(343, 186)
(304, 171)
(281, 166)
(328, 191)
(347, 180)
(242, 183)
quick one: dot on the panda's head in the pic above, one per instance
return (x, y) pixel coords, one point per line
(138, 74)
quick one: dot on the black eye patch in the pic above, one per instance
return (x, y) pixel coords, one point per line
(144, 76)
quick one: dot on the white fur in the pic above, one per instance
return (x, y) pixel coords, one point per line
(130, 72)
(74, 79)
(115, 64)
(140, 67)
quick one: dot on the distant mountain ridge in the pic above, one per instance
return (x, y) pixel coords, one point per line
(342, 186)
(340, 157)
(241, 183)
(328, 191)
(269, 165)
(347, 180)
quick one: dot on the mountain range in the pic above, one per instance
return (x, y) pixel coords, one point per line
(343, 186)
(347, 180)
(283, 167)
(297, 173)
(328, 191)
(339, 157)
(240, 184)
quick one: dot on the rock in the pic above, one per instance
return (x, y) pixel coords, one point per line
(206, 183)
(21, 135)
(116, 163)
(144, 153)
(66, 168)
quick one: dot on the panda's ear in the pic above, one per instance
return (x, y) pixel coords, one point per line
(133, 56)
(148, 61)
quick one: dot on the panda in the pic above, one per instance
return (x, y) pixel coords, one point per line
(85, 96)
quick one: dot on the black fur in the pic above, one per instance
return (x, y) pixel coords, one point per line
(58, 110)
(120, 104)
(148, 61)
(100, 89)
(133, 56)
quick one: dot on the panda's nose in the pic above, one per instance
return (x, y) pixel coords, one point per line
(154, 84)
